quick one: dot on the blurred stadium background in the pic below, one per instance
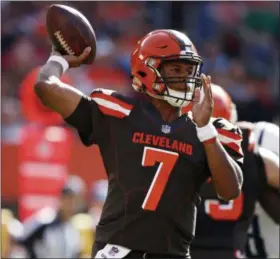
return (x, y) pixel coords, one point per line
(239, 42)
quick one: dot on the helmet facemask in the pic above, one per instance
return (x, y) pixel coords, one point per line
(165, 84)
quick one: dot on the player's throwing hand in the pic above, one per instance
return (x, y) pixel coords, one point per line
(203, 103)
(73, 61)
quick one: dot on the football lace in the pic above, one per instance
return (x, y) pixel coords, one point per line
(63, 43)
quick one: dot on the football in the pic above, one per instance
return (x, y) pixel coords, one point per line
(70, 31)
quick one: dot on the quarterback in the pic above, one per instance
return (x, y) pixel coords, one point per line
(156, 158)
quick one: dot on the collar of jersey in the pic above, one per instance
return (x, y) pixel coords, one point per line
(155, 116)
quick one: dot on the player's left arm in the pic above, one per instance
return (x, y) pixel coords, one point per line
(225, 171)
(271, 165)
(225, 158)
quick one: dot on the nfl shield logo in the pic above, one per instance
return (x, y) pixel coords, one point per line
(165, 129)
(113, 251)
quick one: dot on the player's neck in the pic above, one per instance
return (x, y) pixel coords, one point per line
(168, 112)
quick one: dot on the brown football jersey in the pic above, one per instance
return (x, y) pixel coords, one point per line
(155, 170)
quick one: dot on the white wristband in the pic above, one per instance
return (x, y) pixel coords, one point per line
(62, 61)
(207, 132)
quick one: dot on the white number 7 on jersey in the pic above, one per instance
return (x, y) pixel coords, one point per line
(167, 160)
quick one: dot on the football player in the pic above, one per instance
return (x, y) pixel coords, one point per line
(264, 231)
(155, 158)
(222, 226)
(48, 233)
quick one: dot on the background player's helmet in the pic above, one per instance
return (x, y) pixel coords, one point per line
(223, 105)
(151, 52)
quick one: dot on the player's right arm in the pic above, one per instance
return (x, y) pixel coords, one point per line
(56, 95)
(77, 109)
(87, 114)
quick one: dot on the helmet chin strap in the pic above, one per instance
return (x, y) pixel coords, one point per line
(154, 95)
(176, 98)
(172, 100)
(176, 102)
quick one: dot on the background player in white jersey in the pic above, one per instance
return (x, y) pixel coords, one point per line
(264, 232)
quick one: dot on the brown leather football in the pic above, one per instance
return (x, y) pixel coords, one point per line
(70, 31)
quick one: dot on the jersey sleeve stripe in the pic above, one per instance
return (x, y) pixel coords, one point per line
(231, 143)
(234, 147)
(234, 155)
(229, 134)
(225, 139)
(112, 99)
(110, 112)
(111, 108)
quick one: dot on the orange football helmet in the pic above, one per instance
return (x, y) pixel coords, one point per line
(223, 105)
(151, 52)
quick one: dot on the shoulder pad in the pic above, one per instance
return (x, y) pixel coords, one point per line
(112, 103)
